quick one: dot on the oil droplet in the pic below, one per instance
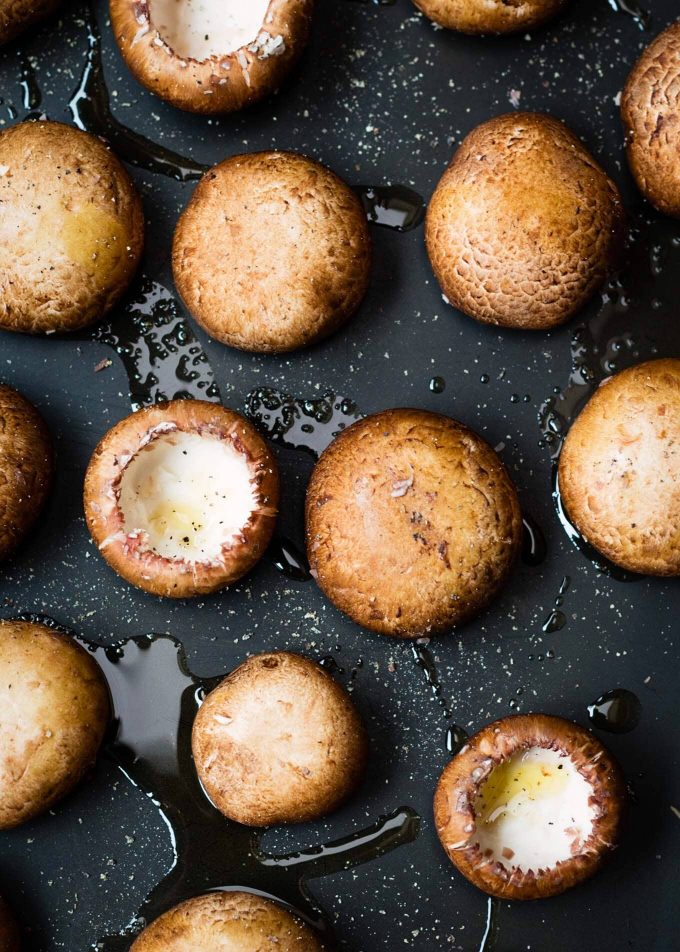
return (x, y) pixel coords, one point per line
(290, 560)
(298, 423)
(163, 359)
(392, 206)
(456, 738)
(534, 547)
(555, 621)
(617, 711)
(437, 385)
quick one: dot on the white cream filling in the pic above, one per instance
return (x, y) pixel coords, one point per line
(187, 495)
(199, 29)
(533, 810)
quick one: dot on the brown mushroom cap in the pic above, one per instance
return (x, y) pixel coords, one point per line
(649, 110)
(10, 938)
(278, 741)
(413, 523)
(524, 225)
(619, 469)
(227, 922)
(17, 15)
(26, 467)
(139, 552)
(71, 230)
(272, 253)
(54, 710)
(497, 16)
(464, 778)
(213, 81)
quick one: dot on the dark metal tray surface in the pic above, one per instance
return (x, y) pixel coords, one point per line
(382, 98)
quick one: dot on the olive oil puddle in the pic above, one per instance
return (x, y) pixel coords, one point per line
(91, 111)
(618, 711)
(392, 206)
(162, 357)
(155, 697)
(628, 328)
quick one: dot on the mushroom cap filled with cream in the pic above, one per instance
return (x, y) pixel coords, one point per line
(211, 56)
(181, 498)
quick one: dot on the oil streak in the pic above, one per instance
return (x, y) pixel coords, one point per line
(642, 17)
(30, 88)
(154, 698)
(423, 657)
(490, 937)
(297, 423)
(91, 111)
(617, 711)
(163, 359)
(534, 547)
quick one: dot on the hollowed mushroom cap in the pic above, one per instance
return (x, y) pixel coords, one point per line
(524, 226)
(272, 253)
(589, 795)
(649, 109)
(211, 57)
(18, 15)
(227, 922)
(413, 524)
(71, 229)
(490, 16)
(26, 467)
(278, 741)
(182, 497)
(619, 469)
(54, 709)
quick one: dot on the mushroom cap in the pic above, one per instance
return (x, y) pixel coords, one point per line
(649, 110)
(26, 468)
(54, 710)
(71, 230)
(524, 225)
(227, 922)
(218, 84)
(278, 741)
(497, 16)
(140, 565)
(413, 523)
(619, 469)
(272, 253)
(10, 938)
(465, 774)
(17, 15)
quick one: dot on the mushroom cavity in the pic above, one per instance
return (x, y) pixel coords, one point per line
(187, 496)
(199, 29)
(534, 810)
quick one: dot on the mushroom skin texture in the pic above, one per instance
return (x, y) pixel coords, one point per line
(524, 226)
(177, 61)
(497, 16)
(26, 468)
(649, 110)
(594, 782)
(413, 524)
(10, 938)
(182, 498)
(278, 741)
(619, 469)
(272, 253)
(54, 711)
(18, 15)
(71, 230)
(227, 922)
